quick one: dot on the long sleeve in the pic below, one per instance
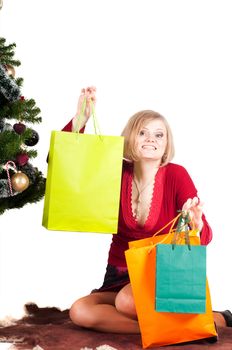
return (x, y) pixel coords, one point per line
(68, 127)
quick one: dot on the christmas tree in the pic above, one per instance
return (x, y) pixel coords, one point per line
(20, 182)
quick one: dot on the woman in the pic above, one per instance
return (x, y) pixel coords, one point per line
(152, 191)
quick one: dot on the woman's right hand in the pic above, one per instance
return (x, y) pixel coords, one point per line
(89, 94)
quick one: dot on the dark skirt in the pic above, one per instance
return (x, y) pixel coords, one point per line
(115, 279)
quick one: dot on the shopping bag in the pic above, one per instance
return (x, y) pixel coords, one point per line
(180, 274)
(163, 328)
(180, 278)
(83, 182)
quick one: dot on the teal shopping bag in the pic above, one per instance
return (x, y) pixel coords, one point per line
(180, 278)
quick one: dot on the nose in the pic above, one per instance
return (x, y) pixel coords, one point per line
(150, 138)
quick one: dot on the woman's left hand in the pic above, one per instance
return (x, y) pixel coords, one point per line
(194, 207)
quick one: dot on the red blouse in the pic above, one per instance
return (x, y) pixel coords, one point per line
(173, 186)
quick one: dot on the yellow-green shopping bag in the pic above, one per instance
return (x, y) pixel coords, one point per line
(83, 182)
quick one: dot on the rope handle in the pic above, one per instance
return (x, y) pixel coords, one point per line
(81, 116)
(171, 230)
(176, 231)
(173, 221)
(183, 222)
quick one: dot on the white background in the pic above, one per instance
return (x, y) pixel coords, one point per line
(171, 56)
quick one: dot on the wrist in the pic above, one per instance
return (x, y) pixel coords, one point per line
(78, 124)
(74, 124)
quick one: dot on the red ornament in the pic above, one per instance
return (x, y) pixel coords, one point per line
(22, 98)
(22, 159)
(19, 128)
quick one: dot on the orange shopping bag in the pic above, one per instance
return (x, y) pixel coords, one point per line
(163, 328)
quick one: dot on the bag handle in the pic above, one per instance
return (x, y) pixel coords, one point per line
(171, 230)
(81, 116)
(184, 220)
(180, 227)
(173, 221)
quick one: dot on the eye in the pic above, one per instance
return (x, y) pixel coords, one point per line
(159, 135)
(141, 133)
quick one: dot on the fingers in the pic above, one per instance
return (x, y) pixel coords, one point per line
(193, 206)
(89, 94)
(190, 203)
(91, 89)
(187, 205)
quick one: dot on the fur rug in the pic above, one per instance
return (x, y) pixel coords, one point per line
(51, 329)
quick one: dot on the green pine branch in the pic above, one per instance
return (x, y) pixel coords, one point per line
(7, 53)
(19, 82)
(32, 153)
(23, 110)
(10, 145)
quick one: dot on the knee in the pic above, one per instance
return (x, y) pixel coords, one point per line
(124, 303)
(80, 314)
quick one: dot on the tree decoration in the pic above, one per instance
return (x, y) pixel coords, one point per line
(19, 181)
(19, 128)
(22, 159)
(10, 70)
(33, 139)
(26, 184)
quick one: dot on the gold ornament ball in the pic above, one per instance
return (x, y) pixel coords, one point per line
(10, 70)
(19, 181)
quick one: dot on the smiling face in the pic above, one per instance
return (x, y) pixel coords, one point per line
(151, 140)
(147, 135)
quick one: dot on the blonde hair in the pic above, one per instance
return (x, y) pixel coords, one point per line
(132, 128)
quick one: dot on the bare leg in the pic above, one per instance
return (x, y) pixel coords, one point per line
(113, 312)
(97, 311)
(124, 302)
